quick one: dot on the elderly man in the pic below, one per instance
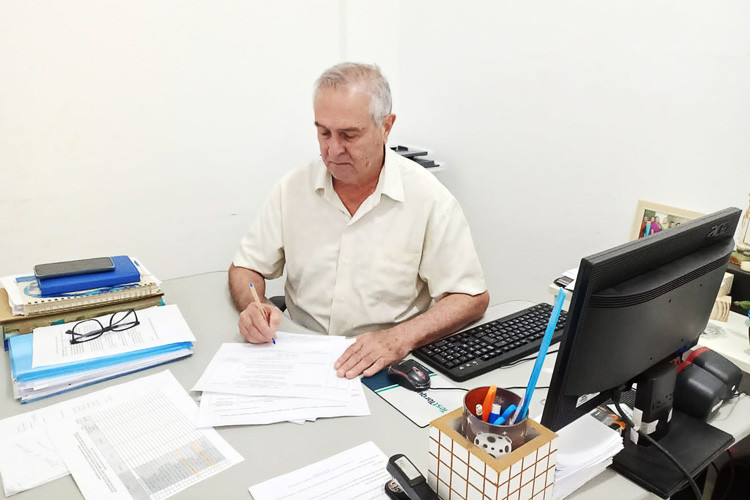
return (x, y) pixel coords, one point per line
(374, 246)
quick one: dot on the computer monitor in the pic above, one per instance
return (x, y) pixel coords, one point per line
(635, 306)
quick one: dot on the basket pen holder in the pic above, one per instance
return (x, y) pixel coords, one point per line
(460, 469)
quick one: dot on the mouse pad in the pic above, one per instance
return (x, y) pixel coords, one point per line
(419, 407)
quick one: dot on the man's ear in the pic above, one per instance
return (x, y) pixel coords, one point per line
(388, 121)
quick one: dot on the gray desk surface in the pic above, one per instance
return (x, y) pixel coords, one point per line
(271, 450)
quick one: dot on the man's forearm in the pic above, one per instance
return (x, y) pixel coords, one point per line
(239, 279)
(448, 315)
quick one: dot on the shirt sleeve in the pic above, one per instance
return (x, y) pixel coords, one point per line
(450, 263)
(262, 248)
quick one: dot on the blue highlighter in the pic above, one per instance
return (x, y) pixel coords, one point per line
(546, 340)
(500, 420)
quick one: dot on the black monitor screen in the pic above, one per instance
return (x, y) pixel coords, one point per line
(634, 306)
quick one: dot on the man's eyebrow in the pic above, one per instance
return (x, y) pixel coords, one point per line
(345, 130)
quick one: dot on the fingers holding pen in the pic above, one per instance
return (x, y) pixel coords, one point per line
(258, 323)
(266, 322)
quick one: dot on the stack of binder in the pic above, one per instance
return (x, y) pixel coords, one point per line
(45, 362)
(27, 303)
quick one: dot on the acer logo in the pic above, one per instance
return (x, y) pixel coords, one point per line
(717, 230)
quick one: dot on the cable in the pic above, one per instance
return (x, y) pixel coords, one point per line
(449, 389)
(514, 363)
(524, 387)
(731, 475)
(196, 274)
(467, 390)
(629, 423)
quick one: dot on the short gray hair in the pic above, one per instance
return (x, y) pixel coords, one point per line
(346, 74)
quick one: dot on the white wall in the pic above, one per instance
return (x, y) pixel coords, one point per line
(156, 128)
(554, 117)
(151, 128)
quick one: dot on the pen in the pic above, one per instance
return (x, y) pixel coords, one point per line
(502, 418)
(260, 306)
(546, 340)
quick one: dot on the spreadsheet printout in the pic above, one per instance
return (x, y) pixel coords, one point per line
(27, 456)
(143, 446)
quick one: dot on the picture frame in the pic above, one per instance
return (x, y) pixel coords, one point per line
(661, 216)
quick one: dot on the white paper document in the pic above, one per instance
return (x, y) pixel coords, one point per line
(27, 457)
(116, 418)
(142, 445)
(585, 448)
(356, 473)
(296, 366)
(230, 409)
(159, 326)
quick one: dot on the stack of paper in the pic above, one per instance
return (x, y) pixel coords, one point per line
(46, 363)
(584, 449)
(359, 472)
(133, 440)
(292, 380)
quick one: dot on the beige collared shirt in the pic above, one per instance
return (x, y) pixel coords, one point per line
(407, 245)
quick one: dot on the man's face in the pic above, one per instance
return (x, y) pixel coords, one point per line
(351, 144)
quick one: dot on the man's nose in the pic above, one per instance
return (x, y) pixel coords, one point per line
(335, 146)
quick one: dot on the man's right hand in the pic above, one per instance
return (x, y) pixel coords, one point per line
(258, 326)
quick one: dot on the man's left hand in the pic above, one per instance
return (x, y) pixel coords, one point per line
(371, 353)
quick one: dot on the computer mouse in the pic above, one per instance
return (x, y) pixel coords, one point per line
(409, 374)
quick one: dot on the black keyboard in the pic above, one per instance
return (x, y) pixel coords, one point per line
(483, 348)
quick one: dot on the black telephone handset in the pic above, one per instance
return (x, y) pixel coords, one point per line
(409, 478)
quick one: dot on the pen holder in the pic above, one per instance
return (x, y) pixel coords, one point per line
(497, 440)
(458, 468)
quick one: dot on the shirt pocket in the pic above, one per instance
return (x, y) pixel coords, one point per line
(394, 279)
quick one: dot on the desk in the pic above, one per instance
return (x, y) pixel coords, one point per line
(271, 450)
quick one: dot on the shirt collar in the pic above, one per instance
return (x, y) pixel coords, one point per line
(390, 176)
(389, 183)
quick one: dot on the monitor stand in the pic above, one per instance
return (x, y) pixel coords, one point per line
(694, 444)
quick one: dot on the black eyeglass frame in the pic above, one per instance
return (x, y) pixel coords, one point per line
(126, 320)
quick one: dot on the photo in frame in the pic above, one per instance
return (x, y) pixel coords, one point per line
(651, 218)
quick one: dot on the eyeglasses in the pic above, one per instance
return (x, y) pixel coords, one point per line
(91, 329)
